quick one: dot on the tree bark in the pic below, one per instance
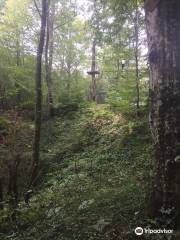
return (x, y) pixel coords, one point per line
(69, 78)
(13, 178)
(1, 193)
(38, 107)
(49, 54)
(18, 54)
(163, 30)
(93, 69)
(136, 27)
(12, 185)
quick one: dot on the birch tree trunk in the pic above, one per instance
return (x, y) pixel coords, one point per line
(163, 29)
(38, 107)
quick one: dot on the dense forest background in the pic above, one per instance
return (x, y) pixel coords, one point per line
(76, 147)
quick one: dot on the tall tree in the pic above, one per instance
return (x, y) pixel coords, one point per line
(49, 53)
(95, 25)
(136, 53)
(163, 28)
(93, 70)
(1, 193)
(38, 78)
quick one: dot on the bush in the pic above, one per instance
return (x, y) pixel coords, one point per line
(63, 109)
(4, 125)
(28, 105)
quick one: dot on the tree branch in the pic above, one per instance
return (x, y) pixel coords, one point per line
(71, 19)
(35, 3)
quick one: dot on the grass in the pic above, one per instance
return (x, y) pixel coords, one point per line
(96, 169)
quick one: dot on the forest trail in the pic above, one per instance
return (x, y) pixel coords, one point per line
(96, 180)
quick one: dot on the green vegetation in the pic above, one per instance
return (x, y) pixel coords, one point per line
(81, 158)
(96, 173)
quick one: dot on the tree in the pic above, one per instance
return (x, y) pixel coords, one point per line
(16, 49)
(163, 28)
(136, 50)
(118, 26)
(94, 23)
(70, 40)
(1, 193)
(93, 71)
(38, 108)
(49, 53)
(16, 21)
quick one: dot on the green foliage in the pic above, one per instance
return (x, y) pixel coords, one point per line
(95, 178)
(15, 154)
(17, 50)
(28, 105)
(4, 125)
(95, 163)
(63, 109)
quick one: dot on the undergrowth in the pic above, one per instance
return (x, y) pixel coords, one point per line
(96, 169)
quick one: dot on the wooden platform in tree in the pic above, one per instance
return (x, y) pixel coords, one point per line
(93, 72)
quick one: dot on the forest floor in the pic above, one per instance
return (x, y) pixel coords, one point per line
(96, 170)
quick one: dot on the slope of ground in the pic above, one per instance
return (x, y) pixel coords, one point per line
(96, 169)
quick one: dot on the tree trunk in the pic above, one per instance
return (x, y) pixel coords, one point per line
(137, 57)
(13, 179)
(49, 54)
(38, 107)
(93, 69)
(1, 193)
(13, 187)
(18, 54)
(163, 29)
(69, 78)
